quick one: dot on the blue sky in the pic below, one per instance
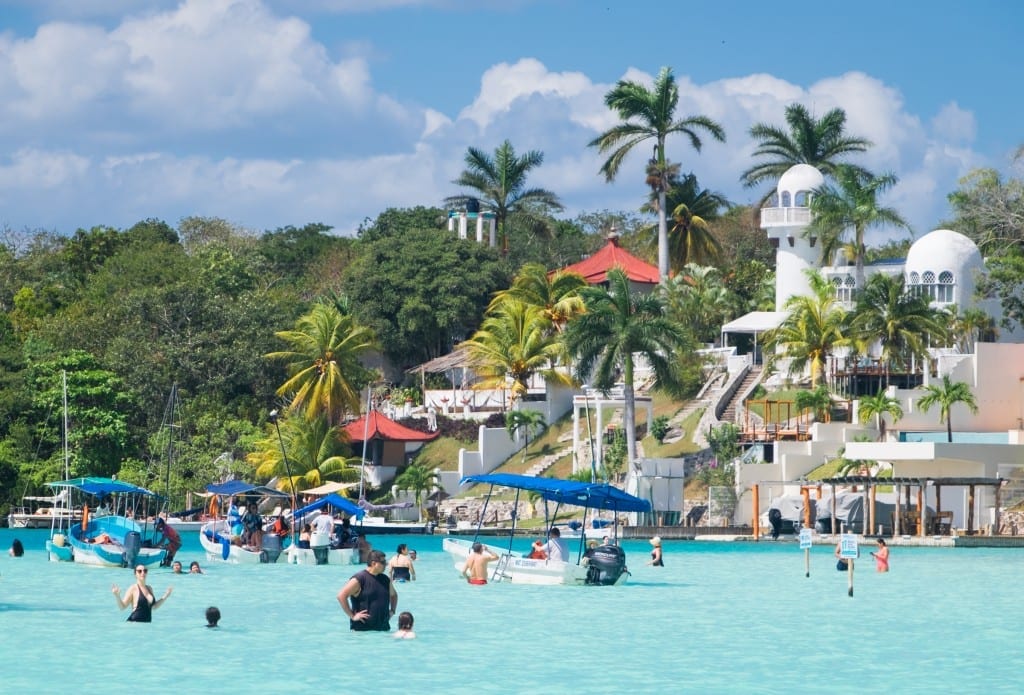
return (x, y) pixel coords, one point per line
(273, 112)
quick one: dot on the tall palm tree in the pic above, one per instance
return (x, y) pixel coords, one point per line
(316, 454)
(650, 114)
(617, 325)
(500, 185)
(877, 406)
(556, 294)
(946, 396)
(523, 421)
(325, 374)
(903, 324)
(813, 329)
(690, 240)
(514, 343)
(419, 479)
(851, 205)
(818, 142)
(972, 326)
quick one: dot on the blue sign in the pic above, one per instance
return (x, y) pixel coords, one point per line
(848, 547)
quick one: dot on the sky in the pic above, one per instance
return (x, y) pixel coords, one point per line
(269, 113)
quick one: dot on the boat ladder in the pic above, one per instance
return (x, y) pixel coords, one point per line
(501, 569)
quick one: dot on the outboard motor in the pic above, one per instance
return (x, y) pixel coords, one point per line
(132, 545)
(271, 549)
(775, 519)
(605, 565)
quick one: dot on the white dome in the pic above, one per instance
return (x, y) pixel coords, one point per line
(799, 178)
(947, 262)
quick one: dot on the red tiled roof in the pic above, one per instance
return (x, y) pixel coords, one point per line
(595, 269)
(381, 427)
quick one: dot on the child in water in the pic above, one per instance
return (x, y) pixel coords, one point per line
(404, 630)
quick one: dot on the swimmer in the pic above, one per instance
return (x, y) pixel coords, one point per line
(212, 616)
(194, 568)
(404, 630)
(475, 570)
(882, 556)
(401, 567)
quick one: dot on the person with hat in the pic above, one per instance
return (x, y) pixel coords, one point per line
(169, 539)
(656, 560)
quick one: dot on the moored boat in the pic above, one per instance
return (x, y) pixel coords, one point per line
(325, 550)
(219, 536)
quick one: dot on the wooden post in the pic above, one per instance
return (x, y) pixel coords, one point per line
(920, 508)
(757, 517)
(970, 510)
(897, 523)
(998, 488)
(807, 505)
(849, 575)
(833, 509)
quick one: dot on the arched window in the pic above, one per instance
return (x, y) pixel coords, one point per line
(785, 199)
(802, 199)
(944, 290)
(844, 288)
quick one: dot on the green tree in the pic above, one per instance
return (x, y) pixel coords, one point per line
(500, 185)
(324, 369)
(972, 326)
(818, 142)
(650, 114)
(316, 454)
(417, 478)
(724, 441)
(851, 206)
(946, 395)
(557, 295)
(811, 331)
(523, 421)
(697, 297)
(617, 325)
(877, 407)
(818, 400)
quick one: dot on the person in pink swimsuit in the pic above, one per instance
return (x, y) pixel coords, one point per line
(881, 556)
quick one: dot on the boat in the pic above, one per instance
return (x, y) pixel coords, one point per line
(110, 537)
(378, 524)
(603, 565)
(216, 535)
(323, 551)
(39, 511)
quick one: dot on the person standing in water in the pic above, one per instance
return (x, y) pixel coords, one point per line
(656, 558)
(475, 569)
(140, 597)
(881, 556)
(369, 598)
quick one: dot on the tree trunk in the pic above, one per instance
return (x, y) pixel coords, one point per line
(630, 414)
(662, 238)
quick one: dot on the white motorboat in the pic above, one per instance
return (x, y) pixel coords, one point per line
(602, 565)
(39, 511)
(219, 538)
(324, 550)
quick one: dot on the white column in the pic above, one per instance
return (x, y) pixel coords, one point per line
(599, 452)
(462, 225)
(451, 223)
(494, 230)
(479, 228)
(575, 435)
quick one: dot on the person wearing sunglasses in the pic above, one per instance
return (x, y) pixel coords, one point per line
(369, 598)
(140, 597)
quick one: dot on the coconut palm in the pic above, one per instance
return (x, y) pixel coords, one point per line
(852, 205)
(814, 327)
(650, 114)
(500, 185)
(818, 142)
(617, 325)
(556, 294)
(325, 373)
(877, 406)
(902, 323)
(417, 478)
(316, 453)
(946, 396)
(514, 343)
(818, 400)
(972, 326)
(523, 421)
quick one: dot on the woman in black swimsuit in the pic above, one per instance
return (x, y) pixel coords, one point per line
(140, 597)
(402, 569)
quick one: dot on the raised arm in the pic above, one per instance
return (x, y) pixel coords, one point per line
(163, 599)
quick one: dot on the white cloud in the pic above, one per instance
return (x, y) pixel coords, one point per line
(955, 124)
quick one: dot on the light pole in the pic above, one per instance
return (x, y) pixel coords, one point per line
(287, 466)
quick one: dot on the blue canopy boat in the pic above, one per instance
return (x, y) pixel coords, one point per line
(219, 538)
(321, 550)
(109, 535)
(603, 565)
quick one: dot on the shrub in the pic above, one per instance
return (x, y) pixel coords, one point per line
(660, 428)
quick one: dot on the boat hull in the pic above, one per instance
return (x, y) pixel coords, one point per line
(333, 556)
(375, 526)
(215, 537)
(75, 546)
(517, 569)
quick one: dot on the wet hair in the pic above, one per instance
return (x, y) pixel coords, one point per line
(194, 564)
(401, 548)
(478, 547)
(376, 556)
(212, 616)
(405, 620)
(17, 549)
(881, 541)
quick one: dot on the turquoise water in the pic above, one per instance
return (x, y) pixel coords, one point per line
(958, 437)
(719, 618)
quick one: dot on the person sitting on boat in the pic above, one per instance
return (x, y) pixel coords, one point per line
(103, 509)
(102, 537)
(307, 531)
(537, 552)
(475, 569)
(252, 524)
(400, 566)
(369, 598)
(280, 527)
(347, 537)
(556, 547)
(234, 520)
(169, 540)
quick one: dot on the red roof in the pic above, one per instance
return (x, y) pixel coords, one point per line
(595, 269)
(381, 427)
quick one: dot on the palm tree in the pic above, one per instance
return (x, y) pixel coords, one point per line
(973, 326)
(419, 479)
(500, 185)
(818, 400)
(697, 297)
(813, 329)
(556, 294)
(316, 454)
(946, 396)
(876, 407)
(903, 323)
(524, 421)
(617, 325)
(514, 343)
(325, 374)
(853, 205)
(818, 142)
(650, 114)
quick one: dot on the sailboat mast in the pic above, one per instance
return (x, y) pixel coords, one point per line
(170, 422)
(67, 456)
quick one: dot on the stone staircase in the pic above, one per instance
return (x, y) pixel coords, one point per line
(753, 376)
(548, 461)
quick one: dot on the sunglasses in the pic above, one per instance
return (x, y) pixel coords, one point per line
(141, 571)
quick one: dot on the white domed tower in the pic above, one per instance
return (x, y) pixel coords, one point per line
(785, 223)
(942, 266)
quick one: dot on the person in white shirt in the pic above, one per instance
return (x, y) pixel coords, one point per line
(324, 524)
(556, 548)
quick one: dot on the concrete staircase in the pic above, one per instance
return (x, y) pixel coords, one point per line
(753, 376)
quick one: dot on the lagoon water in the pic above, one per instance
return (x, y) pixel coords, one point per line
(719, 618)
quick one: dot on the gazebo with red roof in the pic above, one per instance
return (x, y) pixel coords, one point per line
(595, 268)
(387, 439)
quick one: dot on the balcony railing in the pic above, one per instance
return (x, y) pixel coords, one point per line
(771, 217)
